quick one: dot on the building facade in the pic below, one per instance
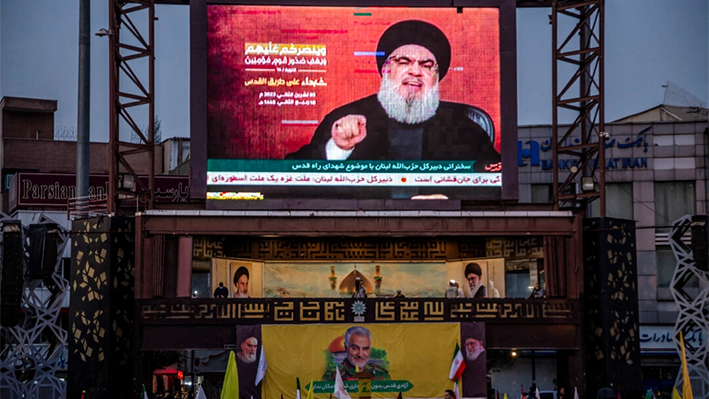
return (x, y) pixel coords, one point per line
(656, 172)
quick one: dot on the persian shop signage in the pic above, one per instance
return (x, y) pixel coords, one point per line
(661, 338)
(530, 153)
(54, 189)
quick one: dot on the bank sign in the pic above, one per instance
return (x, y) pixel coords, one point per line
(28, 189)
(660, 339)
(535, 154)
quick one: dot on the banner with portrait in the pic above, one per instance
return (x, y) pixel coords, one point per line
(413, 359)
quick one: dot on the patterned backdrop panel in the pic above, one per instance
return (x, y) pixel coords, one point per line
(369, 248)
(611, 306)
(101, 310)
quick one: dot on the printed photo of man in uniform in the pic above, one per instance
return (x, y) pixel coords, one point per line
(358, 347)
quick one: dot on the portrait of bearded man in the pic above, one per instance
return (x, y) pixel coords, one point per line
(406, 119)
(248, 350)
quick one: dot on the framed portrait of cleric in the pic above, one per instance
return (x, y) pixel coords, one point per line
(333, 101)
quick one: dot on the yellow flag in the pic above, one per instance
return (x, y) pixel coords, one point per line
(505, 395)
(230, 389)
(686, 385)
(675, 394)
(310, 391)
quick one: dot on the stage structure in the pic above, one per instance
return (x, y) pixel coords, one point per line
(314, 230)
(693, 308)
(584, 139)
(33, 350)
(132, 100)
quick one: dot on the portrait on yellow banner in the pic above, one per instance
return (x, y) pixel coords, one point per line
(411, 358)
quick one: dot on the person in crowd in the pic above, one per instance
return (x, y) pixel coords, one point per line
(451, 291)
(221, 291)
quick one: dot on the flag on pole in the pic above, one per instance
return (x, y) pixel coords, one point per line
(143, 396)
(340, 390)
(458, 364)
(648, 394)
(686, 383)
(456, 390)
(230, 389)
(399, 396)
(83, 393)
(310, 391)
(675, 394)
(505, 397)
(297, 388)
(576, 393)
(537, 393)
(262, 366)
(200, 393)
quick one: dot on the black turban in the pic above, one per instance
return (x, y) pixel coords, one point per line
(415, 32)
(240, 272)
(473, 268)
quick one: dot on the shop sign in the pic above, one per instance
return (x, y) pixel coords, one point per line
(661, 338)
(29, 189)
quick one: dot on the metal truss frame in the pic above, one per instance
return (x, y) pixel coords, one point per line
(693, 307)
(31, 352)
(132, 91)
(584, 140)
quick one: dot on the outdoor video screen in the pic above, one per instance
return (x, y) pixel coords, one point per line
(335, 102)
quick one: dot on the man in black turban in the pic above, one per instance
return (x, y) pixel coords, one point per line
(473, 272)
(406, 119)
(241, 282)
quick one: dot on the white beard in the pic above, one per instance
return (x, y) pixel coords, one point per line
(359, 364)
(246, 358)
(473, 355)
(407, 110)
(241, 295)
(474, 289)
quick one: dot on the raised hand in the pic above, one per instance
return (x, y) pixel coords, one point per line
(349, 131)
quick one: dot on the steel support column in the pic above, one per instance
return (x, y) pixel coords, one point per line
(583, 141)
(132, 109)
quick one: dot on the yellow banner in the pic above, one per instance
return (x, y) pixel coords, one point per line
(414, 359)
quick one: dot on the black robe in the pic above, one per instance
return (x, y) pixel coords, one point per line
(449, 135)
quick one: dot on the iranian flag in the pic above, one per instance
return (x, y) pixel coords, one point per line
(458, 364)
(297, 388)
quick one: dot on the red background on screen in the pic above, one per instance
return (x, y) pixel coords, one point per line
(239, 128)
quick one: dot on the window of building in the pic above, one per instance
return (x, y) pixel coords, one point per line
(666, 263)
(619, 202)
(673, 199)
(541, 193)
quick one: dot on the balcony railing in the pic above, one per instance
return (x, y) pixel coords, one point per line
(186, 311)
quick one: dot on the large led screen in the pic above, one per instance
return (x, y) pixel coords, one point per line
(335, 102)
